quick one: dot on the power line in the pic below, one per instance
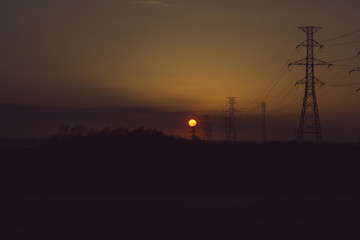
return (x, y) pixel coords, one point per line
(344, 59)
(286, 96)
(290, 103)
(351, 85)
(270, 61)
(341, 36)
(345, 65)
(330, 89)
(334, 77)
(342, 44)
(273, 86)
(290, 84)
(275, 79)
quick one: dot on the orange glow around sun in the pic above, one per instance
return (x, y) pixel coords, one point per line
(192, 122)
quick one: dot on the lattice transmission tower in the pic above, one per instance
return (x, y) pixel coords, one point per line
(309, 126)
(230, 121)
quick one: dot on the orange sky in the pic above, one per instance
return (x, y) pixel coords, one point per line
(177, 55)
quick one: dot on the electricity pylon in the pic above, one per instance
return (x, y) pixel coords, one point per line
(309, 126)
(230, 121)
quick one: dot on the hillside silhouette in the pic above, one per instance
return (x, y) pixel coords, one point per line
(77, 161)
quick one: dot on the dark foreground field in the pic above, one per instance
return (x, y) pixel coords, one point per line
(141, 184)
(246, 217)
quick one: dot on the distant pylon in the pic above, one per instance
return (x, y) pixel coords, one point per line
(263, 122)
(230, 121)
(309, 126)
(207, 128)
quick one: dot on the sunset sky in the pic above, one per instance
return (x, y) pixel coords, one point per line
(157, 63)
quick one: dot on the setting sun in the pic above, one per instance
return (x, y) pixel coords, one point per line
(192, 122)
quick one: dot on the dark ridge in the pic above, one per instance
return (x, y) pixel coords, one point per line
(77, 161)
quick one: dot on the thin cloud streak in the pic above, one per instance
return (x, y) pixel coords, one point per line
(155, 3)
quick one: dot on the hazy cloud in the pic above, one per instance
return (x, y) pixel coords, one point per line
(157, 3)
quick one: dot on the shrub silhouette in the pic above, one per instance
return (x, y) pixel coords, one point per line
(77, 160)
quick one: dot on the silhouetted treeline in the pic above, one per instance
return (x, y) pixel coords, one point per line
(145, 161)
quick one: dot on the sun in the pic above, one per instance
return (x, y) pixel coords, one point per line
(192, 122)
